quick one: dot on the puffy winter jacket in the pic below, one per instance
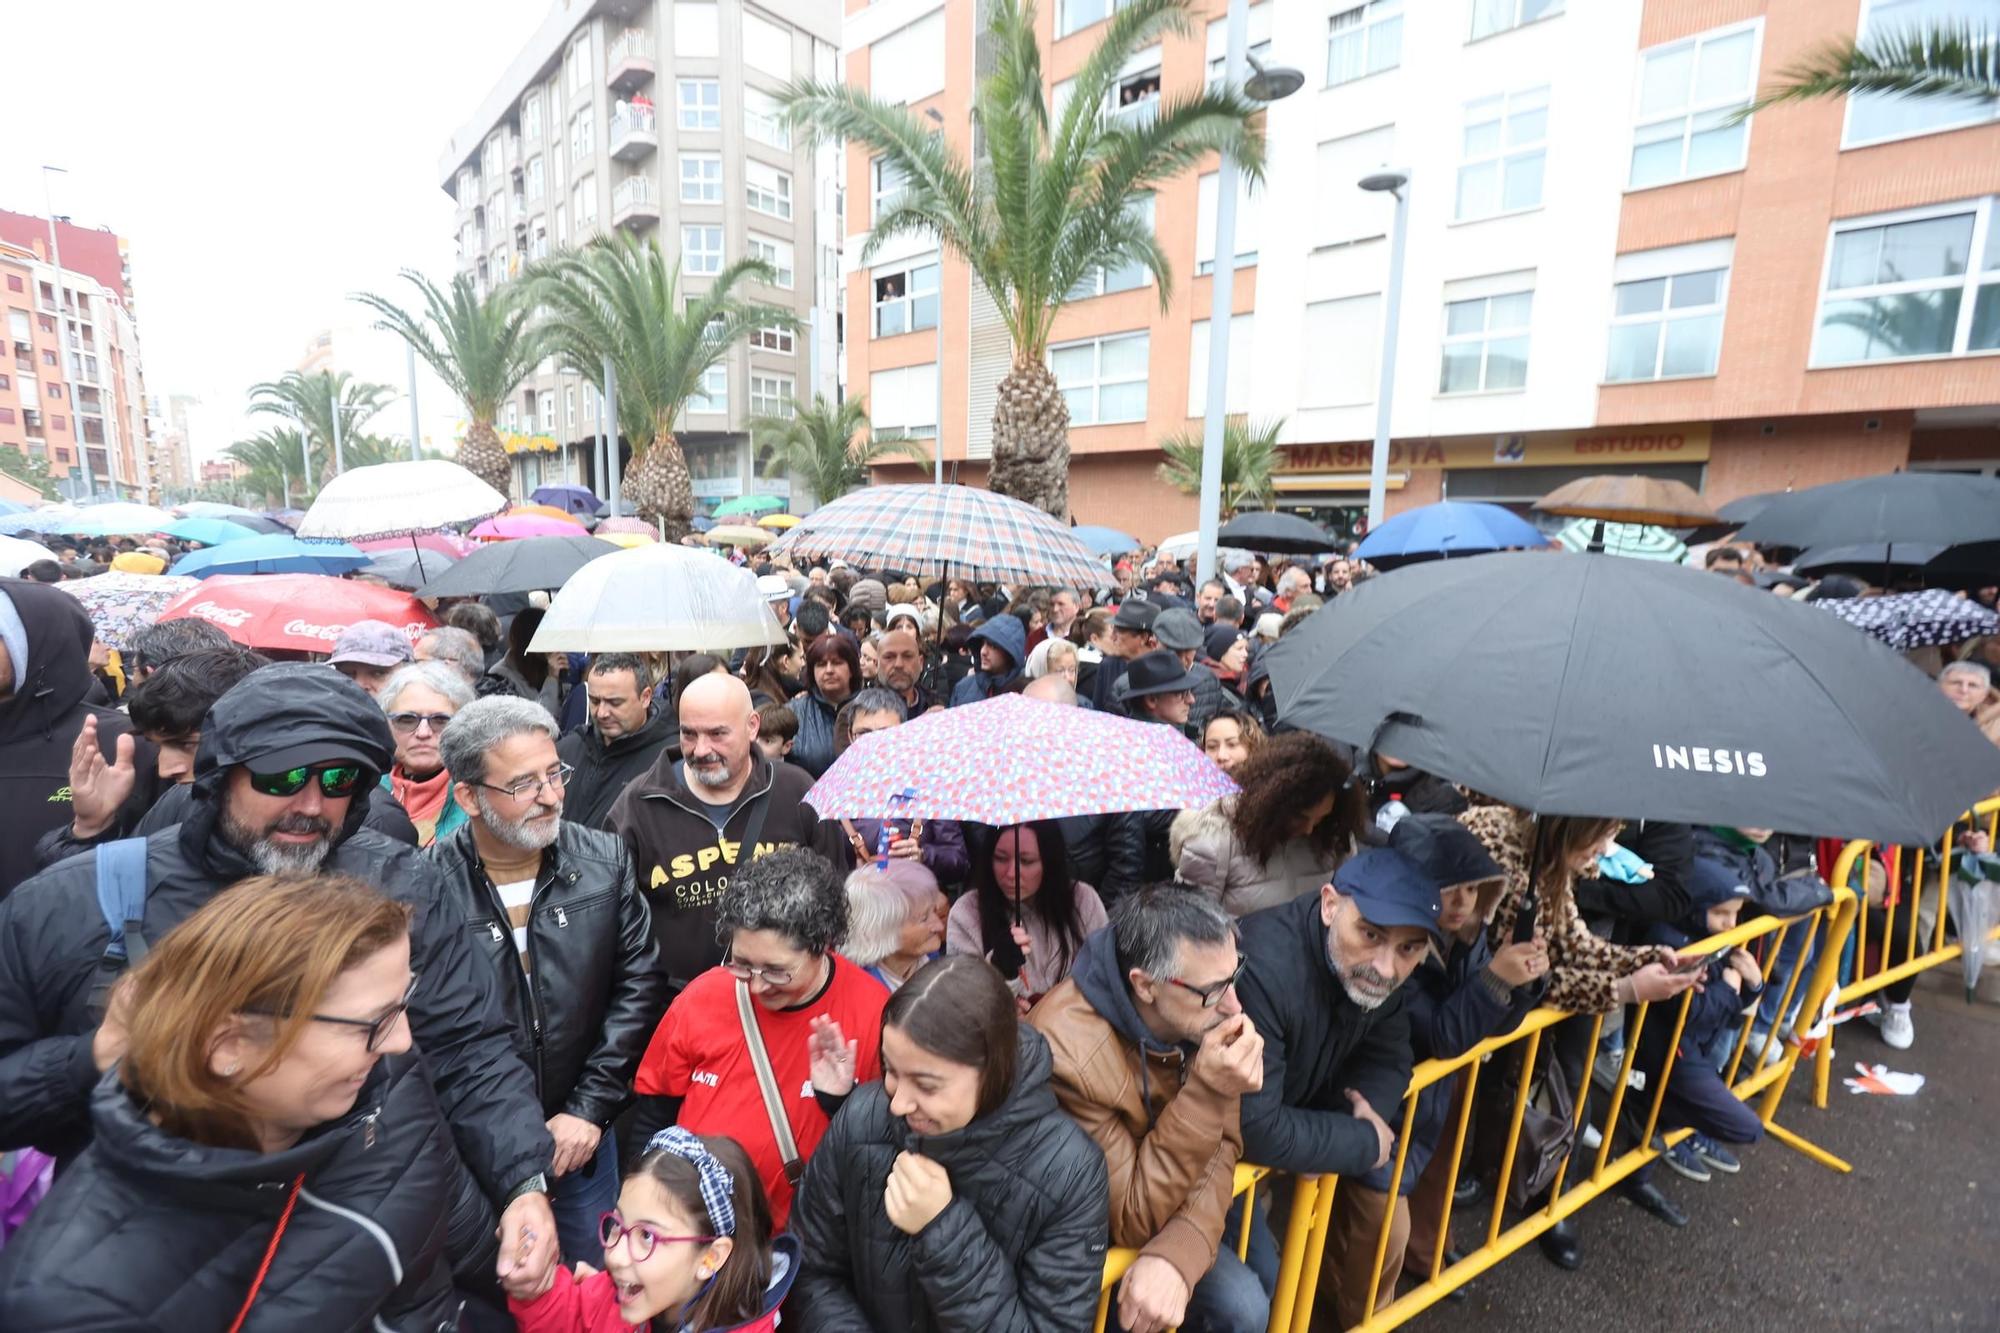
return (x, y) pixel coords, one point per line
(813, 748)
(605, 768)
(590, 1305)
(1019, 1249)
(52, 940)
(1006, 633)
(1206, 854)
(596, 993)
(151, 1232)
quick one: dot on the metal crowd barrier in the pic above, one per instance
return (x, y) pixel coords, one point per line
(1118, 1258)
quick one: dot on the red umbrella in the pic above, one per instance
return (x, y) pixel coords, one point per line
(300, 612)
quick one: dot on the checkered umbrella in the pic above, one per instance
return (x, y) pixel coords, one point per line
(1908, 620)
(945, 532)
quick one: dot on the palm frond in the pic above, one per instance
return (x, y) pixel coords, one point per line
(1249, 460)
(481, 348)
(1934, 60)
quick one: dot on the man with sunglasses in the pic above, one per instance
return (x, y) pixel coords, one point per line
(288, 764)
(1153, 1054)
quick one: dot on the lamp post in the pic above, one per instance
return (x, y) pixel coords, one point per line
(416, 429)
(1267, 84)
(937, 452)
(1397, 183)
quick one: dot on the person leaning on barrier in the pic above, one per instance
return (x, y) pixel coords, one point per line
(1153, 1054)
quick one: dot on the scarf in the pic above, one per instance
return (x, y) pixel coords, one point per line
(422, 799)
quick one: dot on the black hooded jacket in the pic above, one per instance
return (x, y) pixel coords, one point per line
(150, 1232)
(52, 940)
(605, 768)
(1019, 1249)
(39, 722)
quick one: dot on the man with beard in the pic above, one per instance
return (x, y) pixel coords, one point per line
(625, 734)
(902, 670)
(553, 904)
(288, 763)
(700, 813)
(1321, 988)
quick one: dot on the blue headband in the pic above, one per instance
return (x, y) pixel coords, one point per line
(718, 1187)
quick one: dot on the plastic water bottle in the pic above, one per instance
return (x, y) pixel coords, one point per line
(1391, 813)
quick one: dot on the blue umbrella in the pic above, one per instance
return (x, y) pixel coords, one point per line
(701, 522)
(1438, 531)
(37, 520)
(569, 499)
(12, 507)
(1105, 541)
(208, 531)
(272, 555)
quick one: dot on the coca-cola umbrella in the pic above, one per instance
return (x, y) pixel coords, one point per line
(299, 612)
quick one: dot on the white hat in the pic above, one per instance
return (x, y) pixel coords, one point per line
(1269, 624)
(774, 588)
(905, 611)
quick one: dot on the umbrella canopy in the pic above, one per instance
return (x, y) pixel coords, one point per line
(1899, 507)
(444, 543)
(120, 520)
(120, 605)
(49, 518)
(738, 534)
(1972, 912)
(1451, 527)
(547, 511)
(945, 532)
(287, 518)
(628, 524)
(1281, 534)
(570, 499)
(779, 522)
(301, 612)
(700, 522)
(1874, 561)
(1105, 541)
(1635, 690)
(625, 541)
(515, 526)
(405, 568)
(750, 504)
(1907, 620)
(1746, 507)
(658, 598)
(17, 553)
(1974, 565)
(13, 507)
(523, 566)
(209, 531)
(1179, 546)
(214, 509)
(398, 499)
(989, 762)
(281, 553)
(1635, 541)
(1657, 501)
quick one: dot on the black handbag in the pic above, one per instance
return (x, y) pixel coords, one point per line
(1548, 1135)
(1796, 894)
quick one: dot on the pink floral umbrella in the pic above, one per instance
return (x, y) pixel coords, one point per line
(444, 543)
(512, 527)
(996, 762)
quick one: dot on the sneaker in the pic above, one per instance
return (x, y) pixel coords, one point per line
(1898, 1030)
(1713, 1153)
(1683, 1158)
(1591, 1138)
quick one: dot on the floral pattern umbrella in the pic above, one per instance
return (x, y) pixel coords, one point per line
(120, 605)
(1907, 620)
(945, 532)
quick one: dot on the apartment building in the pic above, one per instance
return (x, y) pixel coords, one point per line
(73, 331)
(174, 443)
(1601, 273)
(659, 118)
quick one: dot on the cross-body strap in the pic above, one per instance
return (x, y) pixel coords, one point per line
(767, 1083)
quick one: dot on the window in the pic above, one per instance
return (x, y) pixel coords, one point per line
(700, 102)
(1873, 117)
(545, 416)
(62, 423)
(767, 189)
(1922, 283)
(713, 395)
(1102, 281)
(1257, 44)
(1076, 15)
(1666, 312)
(536, 181)
(908, 64)
(701, 249)
(1364, 40)
(1242, 332)
(906, 297)
(767, 45)
(569, 407)
(888, 182)
(1502, 154)
(773, 338)
(1135, 97)
(695, 31)
(778, 254)
(1344, 335)
(770, 395)
(14, 282)
(1102, 379)
(583, 201)
(1247, 225)
(762, 119)
(6, 416)
(1491, 16)
(1687, 92)
(531, 118)
(5, 382)
(701, 178)
(578, 64)
(583, 135)
(562, 226)
(1486, 343)
(1343, 212)
(902, 403)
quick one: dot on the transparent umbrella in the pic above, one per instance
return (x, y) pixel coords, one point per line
(659, 598)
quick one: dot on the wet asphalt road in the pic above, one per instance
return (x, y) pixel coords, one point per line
(1908, 1241)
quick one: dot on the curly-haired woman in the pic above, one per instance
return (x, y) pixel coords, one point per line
(1294, 822)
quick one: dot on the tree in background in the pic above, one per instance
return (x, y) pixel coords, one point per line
(1249, 458)
(1947, 59)
(822, 446)
(33, 471)
(307, 402)
(272, 464)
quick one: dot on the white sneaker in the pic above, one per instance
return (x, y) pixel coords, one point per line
(1898, 1031)
(1591, 1137)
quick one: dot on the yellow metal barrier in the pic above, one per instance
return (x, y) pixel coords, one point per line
(1119, 1258)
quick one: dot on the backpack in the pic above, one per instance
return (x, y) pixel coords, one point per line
(121, 898)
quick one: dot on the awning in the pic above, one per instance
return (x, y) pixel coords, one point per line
(1294, 482)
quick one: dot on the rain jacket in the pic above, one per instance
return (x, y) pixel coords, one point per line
(813, 748)
(1006, 633)
(1206, 854)
(1170, 1141)
(151, 1232)
(1019, 1249)
(591, 1304)
(52, 941)
(605, 768)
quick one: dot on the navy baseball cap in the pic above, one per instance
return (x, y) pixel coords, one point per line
(1390, 891)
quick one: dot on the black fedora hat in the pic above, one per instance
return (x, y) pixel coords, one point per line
(1158, 672)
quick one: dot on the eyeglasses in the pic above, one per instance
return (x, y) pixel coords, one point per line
(334, 780)
(409, 722)
(526, 787)
(770, 976)
(611, 1228)
(377, 1028)
(1211, 995)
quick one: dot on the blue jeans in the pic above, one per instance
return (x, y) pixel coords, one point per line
(1230, 1298)
(583, 1196)
(1263, 1260)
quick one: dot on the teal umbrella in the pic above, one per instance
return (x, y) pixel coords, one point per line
(264, 554)
(750, 504)
(208, 531)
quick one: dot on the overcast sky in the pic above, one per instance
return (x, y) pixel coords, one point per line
(262, 162)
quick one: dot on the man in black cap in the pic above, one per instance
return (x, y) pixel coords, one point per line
(1131, 638)
(1180, 633)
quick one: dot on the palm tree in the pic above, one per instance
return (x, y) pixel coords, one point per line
(1249, 457)
(1930, 60)
(272, 458)
(1047, 204)
(481, 349)
(820, 449)
(307, 401)
(619, 298)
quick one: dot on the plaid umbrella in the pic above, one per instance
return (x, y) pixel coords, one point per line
(121, 605)
(989, 762)
(1907, 620)
(945, 532)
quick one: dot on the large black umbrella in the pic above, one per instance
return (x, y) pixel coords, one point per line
(1277, 533)
(1746, 507)
(1934, 507)
(1976, 565)
(1627, 688)
(518, 566)
(1878, 562)
(409, 569)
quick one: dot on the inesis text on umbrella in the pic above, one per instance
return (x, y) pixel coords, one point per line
(1702, 759)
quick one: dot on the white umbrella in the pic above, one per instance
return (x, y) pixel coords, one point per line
(120, 519)
(17, 553)
(399, 500)
(657, 598)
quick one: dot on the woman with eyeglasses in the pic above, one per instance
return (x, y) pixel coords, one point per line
(781, 999)
(269, 1153)
(420, 699)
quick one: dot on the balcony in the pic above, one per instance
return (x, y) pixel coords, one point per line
(629, 64)
(634, 131)
(634, 203)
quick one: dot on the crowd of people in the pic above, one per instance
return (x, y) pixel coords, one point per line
(444, 984)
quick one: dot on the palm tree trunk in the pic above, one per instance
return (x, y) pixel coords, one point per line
(1031, 439)
(482, 456)
(659, 483)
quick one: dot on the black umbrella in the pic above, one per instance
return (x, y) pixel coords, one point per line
(518, 566)
(1280, 534)
(1878, 562)
(1629, 688)
(1746, 507)
(407, 569)
(1898, 507)
(1975, 565)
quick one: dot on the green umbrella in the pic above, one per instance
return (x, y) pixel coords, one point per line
(750, 504)
(1640, 541)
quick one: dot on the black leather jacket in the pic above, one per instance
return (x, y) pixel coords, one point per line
(596, 991)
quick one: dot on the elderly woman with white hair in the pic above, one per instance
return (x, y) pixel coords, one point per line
(1969, 686)
(419, 700)
(895, 923)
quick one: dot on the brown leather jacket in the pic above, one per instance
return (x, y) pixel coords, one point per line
(1170, 1142)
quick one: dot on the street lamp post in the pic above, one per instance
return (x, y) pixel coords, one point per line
(937, 452)
(1396, 183)
(339, 462)
(416, 429)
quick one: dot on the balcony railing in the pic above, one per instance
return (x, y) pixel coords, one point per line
(629, 63)
(634, 202)
(634, 131)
